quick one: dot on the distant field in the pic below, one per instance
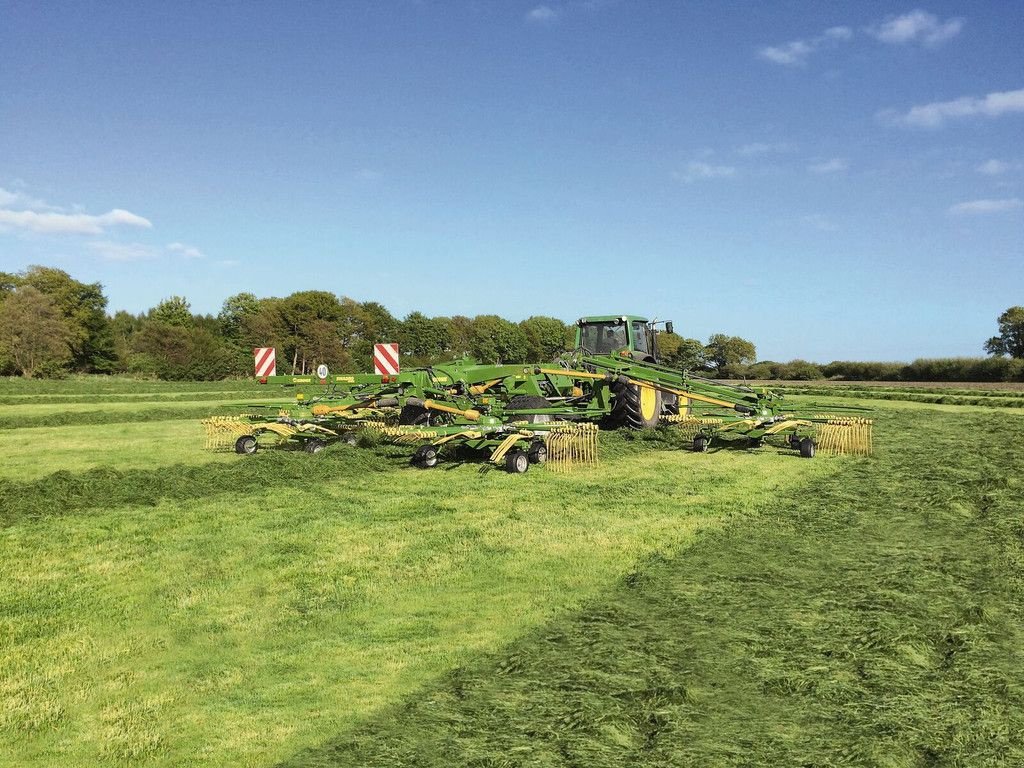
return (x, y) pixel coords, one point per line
(952, 387)
(160, 605)
(1004, 395)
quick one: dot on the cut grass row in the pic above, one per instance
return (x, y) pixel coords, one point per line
(101, 399)
(986, 399)
(236, 613)
(32, 454)
(53, 415)
(872, 617)
(115, 385)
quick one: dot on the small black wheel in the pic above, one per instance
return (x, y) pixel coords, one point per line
(753, 442)
(314, 446)
(538, 452)
(517, 462)
(701, 443)
(807, 448)
(425, 457)
(246, 444)
(349, 438)
(794, 442)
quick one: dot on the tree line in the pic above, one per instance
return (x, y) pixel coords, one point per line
(52, 324)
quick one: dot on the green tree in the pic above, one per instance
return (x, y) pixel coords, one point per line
(84, 308)
(424, 339)
(689, 354)
(33, 334)
(729, 354)
(495, 340)
(362, 325)
(546, 338)
(234, 311)
(462, 335)
(1010, 340)
(175, 311)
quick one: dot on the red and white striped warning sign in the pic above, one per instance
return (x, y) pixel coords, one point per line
(266, 364)
(385, 359)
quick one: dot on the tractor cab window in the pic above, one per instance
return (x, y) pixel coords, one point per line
(640, 337)
(603, 338)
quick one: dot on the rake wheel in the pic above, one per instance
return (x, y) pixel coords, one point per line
(517, 462)
(246, 444)
(807, 447)
(425, 457)
(538, 453)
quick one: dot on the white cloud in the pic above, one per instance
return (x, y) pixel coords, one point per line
(839, 33)
(986, 206)
(10, 199)
(542, 14)
(993, 167)
(791, 53)
(835, 165)
(112, 251)
(698, 170)
(916, 27)
(49, 222)
(935, 114)
(795, 52)
(762, 148)
(185, 251)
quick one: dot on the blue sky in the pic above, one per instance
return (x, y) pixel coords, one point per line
(829, 180)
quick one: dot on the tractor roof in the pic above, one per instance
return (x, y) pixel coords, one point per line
(610, 318)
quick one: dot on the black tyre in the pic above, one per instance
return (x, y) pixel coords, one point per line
(425, 457)
(517, 462)
(794, 442)
(701, 443)
(414, 414)
(350, 438)
(635, 407)
(315, 445)
(246, 444)
(538, 453)
(807, 447)
(525, 402)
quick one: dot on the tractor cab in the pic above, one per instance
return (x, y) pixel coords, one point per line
(625, 335)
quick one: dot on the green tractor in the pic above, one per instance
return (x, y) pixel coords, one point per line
(629, 337)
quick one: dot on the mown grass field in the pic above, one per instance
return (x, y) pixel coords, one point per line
(164, 606)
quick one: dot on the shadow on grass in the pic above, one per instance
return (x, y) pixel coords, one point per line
(872, 618)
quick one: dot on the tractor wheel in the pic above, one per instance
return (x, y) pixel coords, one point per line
(315, 445)
(635, 407)
(538, 453)
(246, 444)
(517, 462)
(529, 402)
(425, 457)
(807, 448)
(700, 444)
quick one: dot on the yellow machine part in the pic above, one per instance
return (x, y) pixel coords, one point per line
(571, 446)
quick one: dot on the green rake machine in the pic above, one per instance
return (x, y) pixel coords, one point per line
(533, 414)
